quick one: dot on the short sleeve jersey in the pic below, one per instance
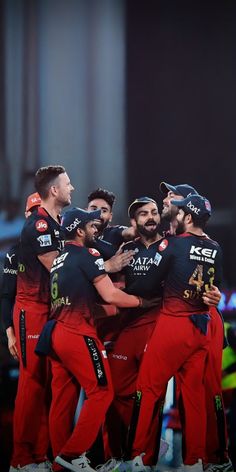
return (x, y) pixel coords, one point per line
(195, 262)
(41, 234)
(72, 291)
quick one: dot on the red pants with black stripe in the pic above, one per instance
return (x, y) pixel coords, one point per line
(125, 360)
(176, 345)
(30, 424)
(84, 359)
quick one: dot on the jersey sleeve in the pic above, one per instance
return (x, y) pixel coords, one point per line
(9, 279)
(106, 249)
(40, 235)
(92, 263)
(113, 234)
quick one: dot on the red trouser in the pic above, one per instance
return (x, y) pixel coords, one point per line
(176, 345)
(216, 438)
(125, 360)
(30, 425)
(75, 359)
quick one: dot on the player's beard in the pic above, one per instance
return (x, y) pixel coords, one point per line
(170, 214)
(180, 229)
(89, 240)
(148, 233)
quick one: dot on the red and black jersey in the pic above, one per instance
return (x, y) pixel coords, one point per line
(139, 279)
(8, 292)
(72, 291)
(40, 234)
(195, 263)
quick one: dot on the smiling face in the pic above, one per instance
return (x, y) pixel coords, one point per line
(106, 213)
(147, 219)
(62, 189)
(169, 211)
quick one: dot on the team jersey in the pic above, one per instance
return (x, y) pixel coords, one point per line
(195, 263)
(41, 234)
(8, 292)
(72, 291)
(139, 279)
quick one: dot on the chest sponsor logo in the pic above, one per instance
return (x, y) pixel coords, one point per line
(202, 254)
(41, 226)
(93, 251)
(143, 264)
(163, 245)
(10, 257)
(100, 264)
(45, 240)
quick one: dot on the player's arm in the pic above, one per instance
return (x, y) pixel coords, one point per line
(48, 258)
(129, 233)
(113, 295)
(118, 261)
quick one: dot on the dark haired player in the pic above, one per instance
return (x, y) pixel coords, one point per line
(101, 199)
(41, 241)
(181, 337)
(217, 457)
(76, 275)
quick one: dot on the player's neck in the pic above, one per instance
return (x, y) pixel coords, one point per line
(52, 208)
(148, 241)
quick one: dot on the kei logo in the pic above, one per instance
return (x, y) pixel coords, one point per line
(41, 226)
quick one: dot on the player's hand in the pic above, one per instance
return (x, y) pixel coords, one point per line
(12, 342)
(151, 303)
(212, 297)
(118, 261)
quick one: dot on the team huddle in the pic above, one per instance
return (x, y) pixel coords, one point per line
(114, 312)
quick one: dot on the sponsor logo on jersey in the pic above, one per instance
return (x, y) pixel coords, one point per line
(41, 226)
(59, 261)
(143, 264)
(157, 259)
(10, 257)
(33, 336)
(100, 264)
(45, 240)
(120, 357)
(163, 245)
(93, 251)
(57, 233)
(204, 254)
(10, 271)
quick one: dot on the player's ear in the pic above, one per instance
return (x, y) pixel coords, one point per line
(133, 223)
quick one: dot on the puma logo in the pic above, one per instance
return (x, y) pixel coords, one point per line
(10, 257)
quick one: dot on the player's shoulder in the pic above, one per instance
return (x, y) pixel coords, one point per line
(131, 245)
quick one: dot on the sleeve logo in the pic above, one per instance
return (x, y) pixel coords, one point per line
(45, 240)
(93, 251)
(163, 245)
(41, 226)
(100, 264)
